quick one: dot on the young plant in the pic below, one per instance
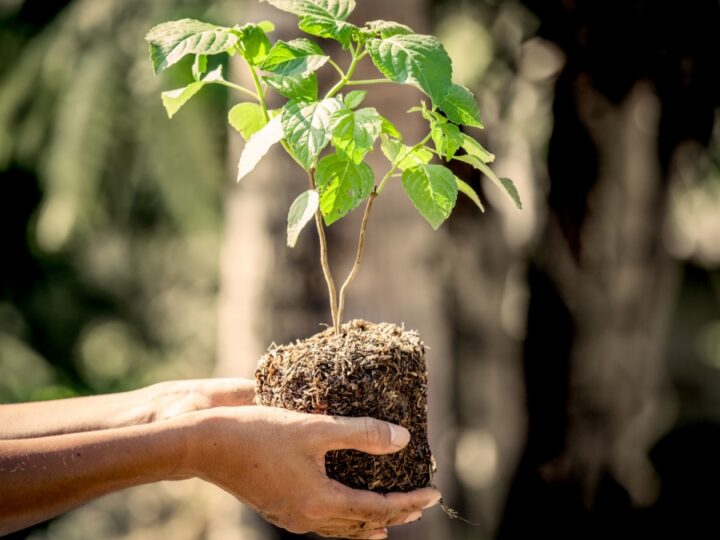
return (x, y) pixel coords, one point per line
(309, 122)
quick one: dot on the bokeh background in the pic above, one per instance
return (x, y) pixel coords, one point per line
(575, 346)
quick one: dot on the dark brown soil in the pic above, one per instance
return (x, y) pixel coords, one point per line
(368, 369)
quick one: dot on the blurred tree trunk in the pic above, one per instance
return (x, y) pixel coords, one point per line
(270, 293)
(638, 82)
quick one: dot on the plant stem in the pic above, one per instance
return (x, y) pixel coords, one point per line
(259, 90)
(399, 160)
(261, 98)
(238, 88)
(350, 72)
(332, 291)
(367, 81)
(337, 68)
(358, 259)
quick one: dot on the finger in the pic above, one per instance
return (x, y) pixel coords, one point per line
(353, 525)
(373, 534)
(229, 392)
(365, 434)
(404, 519)
(383, 509)
(370, 534)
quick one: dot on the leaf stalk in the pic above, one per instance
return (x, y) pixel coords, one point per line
(399, 160)
(348, 75)
(238, 88)
(362, 82)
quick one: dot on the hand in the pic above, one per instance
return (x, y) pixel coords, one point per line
(146, 405)
(173, 398)
(274, 460)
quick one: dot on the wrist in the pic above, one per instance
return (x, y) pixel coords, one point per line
(188, 447)
(198, 430)
(212, 437)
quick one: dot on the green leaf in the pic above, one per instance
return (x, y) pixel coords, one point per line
(323, 18)
(511, 190)
(301, 212)
(342, 185)
(505, 184)
(433, 191)
(474, 148)
(460, 106)
(199, 66)
(267, 26)
(470, 192)
(254, 44)
(389, 128)
(247, 119)
(258, 145)
(355, 98)
(307, 127)
(333, 9)
(173, 100)
(171, 41)
(354, 132)
(447, 139)
(414, 59)
(386, 29)
(294, 86)
(409, 157)
(338, 30)
(296, 57)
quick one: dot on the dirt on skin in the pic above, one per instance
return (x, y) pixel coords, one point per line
(367, 369)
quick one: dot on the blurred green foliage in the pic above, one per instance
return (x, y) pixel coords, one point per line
(110, 214)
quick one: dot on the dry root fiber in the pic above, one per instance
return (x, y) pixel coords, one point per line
(367, 369)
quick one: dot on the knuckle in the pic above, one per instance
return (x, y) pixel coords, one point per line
(373, 432)
(380, 515)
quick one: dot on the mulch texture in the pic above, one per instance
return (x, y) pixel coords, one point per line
(367, 369)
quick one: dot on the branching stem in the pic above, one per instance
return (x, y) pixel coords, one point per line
(358, 259)
(399, 160)
(348, 75)
(324, 262)
(337, 68)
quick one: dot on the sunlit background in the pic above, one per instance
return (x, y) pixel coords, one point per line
(574, 346)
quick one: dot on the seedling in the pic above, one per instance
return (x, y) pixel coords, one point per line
(340, 180)
(357, 368)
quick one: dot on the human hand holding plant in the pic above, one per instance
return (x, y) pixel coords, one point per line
(357, 368)
(274, 460)
(61, 454)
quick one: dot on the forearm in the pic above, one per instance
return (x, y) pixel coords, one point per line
(46, 476)
(156, 402)
(45, 418)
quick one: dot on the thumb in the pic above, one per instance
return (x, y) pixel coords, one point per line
(365, 434)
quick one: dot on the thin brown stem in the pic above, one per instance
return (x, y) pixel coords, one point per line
(358, 259)
(324, 262)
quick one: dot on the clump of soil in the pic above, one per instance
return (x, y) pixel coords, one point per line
(367, 369)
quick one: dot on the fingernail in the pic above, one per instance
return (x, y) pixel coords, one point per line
(413, 517)
(432, 502)
(378, 536)
(399, 436)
